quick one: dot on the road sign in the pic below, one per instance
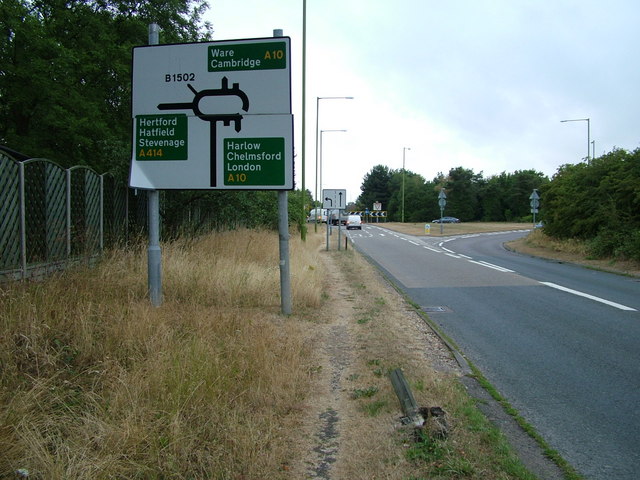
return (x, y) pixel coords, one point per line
(535, 201)
(377, 206)
(334, 199)
(213, 115)
(442, 199)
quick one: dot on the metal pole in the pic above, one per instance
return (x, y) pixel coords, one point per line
(101, 213)
(318, 132)
(283, 235)
(68, 220)
(404, 149)
(328, 228)
(588, 120)
(303, 193)
(154, 254)
(588, 138)
(23, 223)
(317, 164)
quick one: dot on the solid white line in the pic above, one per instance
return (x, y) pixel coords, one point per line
(591, 297)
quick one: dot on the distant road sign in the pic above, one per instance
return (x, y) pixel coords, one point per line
(213, 115)
(334, 199)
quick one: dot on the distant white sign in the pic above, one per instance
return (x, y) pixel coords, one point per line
(334, 199)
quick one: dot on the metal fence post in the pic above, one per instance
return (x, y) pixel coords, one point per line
(68, 204)
(23, 225)
(101, 220)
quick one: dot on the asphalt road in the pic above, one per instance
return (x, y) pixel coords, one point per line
(560, 342)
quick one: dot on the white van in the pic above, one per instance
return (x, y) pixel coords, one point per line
(354, 222)
(317, 215)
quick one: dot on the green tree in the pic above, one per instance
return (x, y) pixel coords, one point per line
(599, 202)
(462, 187)
(375, 188)
(505, 197)
(65, 74)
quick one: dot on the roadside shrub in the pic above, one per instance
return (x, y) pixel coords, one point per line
(615, 244)
(630, 247)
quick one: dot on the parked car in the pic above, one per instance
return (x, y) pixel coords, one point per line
(354, 222)
(446, 220)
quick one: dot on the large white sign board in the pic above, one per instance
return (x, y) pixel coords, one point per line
(213, 115)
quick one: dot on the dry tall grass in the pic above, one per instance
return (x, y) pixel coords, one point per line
(96, 383)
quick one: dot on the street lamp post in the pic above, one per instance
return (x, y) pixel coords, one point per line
(588, 132)
(318, 132)
(319, 176)
(404, 149)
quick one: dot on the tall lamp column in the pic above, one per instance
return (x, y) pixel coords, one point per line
(404, 149)
(319, 177)
(588, 132)
(317, 135)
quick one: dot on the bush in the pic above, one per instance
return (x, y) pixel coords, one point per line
(619, 244)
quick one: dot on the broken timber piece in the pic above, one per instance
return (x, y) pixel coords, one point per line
(407, 402)
(429, 420)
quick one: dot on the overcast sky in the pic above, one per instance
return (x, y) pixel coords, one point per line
(481, 84)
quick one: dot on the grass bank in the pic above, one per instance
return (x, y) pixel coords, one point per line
(97, 384)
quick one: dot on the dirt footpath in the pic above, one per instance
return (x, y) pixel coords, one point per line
(352, 428)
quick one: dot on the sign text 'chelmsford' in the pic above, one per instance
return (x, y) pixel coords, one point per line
(254, 161)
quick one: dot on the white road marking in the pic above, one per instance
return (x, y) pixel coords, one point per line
(491, 265)
(591, 297)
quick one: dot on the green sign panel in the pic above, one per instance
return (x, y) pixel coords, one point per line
(247, 56)
(254, 161)
(161, 137)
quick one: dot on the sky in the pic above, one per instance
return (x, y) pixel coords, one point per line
(478, 84)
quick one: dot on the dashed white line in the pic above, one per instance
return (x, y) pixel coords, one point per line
(491, 265)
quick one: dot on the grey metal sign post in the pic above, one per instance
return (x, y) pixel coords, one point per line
(334, 200)
(535, 203)
(442, 201)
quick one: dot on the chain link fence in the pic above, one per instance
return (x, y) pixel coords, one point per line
(51, 217)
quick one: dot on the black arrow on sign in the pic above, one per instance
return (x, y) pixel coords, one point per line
(226, 118)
